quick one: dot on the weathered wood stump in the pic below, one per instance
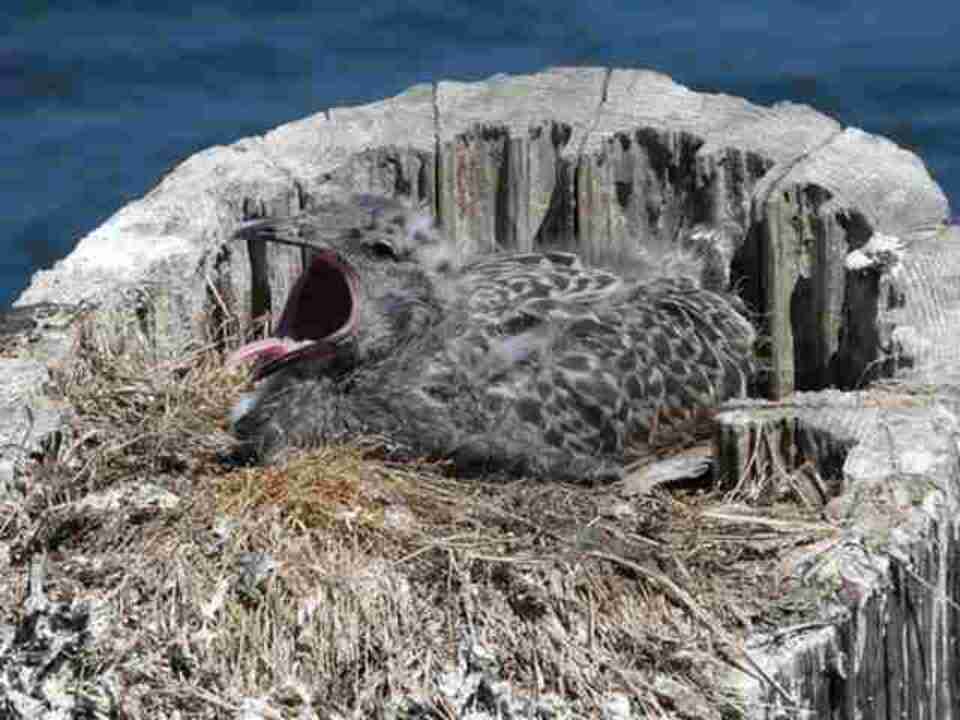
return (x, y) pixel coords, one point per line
(883, 645)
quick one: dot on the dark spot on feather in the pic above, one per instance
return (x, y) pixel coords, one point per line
(605, 394)
(562, 258)
(674, 388)
(634, 387)
(495, 404)
(655, 386)
(587, 327)
(553, 437)
(708, 332)
(680, 318)
(627, 363)
(529, 411)
(579, 363)
(660, 345)
(519, 323)
(528, 259)
(592, 414)
(686, 348)
(573, 426)
(708, 359)
(542, 289)
(605, 441)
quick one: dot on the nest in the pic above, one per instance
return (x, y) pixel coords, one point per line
(338, 583)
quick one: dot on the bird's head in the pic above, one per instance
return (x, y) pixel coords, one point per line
(375, 275)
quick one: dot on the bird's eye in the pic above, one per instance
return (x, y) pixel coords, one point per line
(383, 250)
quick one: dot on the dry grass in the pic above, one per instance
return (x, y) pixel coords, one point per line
(336, 582)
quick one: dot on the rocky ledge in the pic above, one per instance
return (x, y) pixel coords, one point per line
(835, 238)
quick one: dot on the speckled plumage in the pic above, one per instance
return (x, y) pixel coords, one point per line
(529, 364)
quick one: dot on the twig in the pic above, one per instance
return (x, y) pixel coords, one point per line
(710, 623)
(773, 523)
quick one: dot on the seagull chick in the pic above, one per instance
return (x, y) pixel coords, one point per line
(529, 364)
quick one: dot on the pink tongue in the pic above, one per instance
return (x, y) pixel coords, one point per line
(263, 351)
(270, 354)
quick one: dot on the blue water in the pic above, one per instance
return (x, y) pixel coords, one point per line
(97, 102)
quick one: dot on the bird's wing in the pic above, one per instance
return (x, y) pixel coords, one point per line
(591, 373)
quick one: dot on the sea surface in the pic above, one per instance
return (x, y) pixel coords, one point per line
(96, 102)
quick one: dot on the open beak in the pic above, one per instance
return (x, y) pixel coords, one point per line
(321, 311)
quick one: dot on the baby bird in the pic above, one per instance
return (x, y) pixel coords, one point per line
(528, 364)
